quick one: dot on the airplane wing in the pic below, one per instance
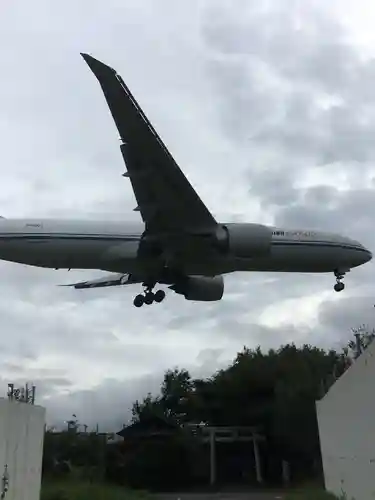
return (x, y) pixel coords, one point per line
(111, 280)
(166, 200)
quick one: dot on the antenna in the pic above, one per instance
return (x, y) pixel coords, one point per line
(23, 394)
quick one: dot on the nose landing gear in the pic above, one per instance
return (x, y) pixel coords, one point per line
(339, 286)
(149, 297)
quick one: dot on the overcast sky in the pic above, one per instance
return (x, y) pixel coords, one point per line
(269, 109)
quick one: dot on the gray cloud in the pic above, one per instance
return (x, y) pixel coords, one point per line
(305, 93)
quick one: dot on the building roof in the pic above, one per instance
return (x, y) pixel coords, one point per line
(148, 426)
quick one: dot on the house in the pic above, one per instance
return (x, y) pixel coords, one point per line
(346, 424)
(147, 428)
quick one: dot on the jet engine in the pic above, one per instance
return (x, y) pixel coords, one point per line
(200, 288)
(244, 240)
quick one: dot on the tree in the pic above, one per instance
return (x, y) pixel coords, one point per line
(176, 393)
(275, 390)
(174, 403)
(150, 406)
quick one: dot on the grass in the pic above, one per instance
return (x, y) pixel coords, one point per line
(314, 493)
(310, 495)
(81, 490)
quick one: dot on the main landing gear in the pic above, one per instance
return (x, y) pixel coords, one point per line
(339, 286)
(149, 297)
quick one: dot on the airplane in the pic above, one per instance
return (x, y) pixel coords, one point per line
(178, 243)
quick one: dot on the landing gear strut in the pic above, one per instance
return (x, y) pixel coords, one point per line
(339, 286)
(149, 296)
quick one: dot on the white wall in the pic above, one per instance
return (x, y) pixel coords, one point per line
(21, 448)
(346, 419)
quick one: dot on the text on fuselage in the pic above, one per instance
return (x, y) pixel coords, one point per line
(295, 234)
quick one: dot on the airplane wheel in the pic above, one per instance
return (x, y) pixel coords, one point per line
(149, 298)
(159, 296)
(139, 301)
(339, 287)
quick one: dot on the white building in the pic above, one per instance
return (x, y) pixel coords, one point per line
(346, 419)
(21, 450)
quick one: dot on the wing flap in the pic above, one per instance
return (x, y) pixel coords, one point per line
(110, 280)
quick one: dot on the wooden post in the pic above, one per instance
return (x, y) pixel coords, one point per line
(258, 467)
(286, 472)
(212, 457)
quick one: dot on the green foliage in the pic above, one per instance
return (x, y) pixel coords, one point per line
(77, 490)
(176, 395)
(174, 402)
(276, 391)
(150, 406)
(73, 454)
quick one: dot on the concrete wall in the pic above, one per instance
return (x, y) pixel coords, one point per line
(21, 448)
(346, 419)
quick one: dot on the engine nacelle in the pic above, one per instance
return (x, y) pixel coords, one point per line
(244, 240)
(200, 288)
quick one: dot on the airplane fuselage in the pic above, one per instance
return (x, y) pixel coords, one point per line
(114, 246)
